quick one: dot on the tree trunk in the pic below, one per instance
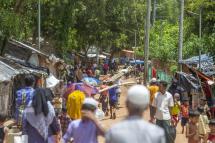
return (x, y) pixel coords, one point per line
(154, 11)
(3, 45)
(18, 5)
(180, 39)
(146, 46)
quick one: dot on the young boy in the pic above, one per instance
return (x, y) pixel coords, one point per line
(64, 120)
(86, 129)
(184, 113)
(192, 127)
(211, 136)
(176, 109)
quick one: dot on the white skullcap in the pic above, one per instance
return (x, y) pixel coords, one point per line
(91, 101)
(138, 95)
(153, 80)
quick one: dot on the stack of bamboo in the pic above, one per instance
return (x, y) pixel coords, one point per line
(120, 74)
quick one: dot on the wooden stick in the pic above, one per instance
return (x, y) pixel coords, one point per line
(115, 85)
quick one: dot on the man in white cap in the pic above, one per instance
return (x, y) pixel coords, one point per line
(134, 129)
(87, 129)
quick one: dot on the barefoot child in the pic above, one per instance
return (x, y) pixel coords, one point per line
(192, 127)
(184, 113)
(176, 110)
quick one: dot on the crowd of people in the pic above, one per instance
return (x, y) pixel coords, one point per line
(44, 117)
(167, 110)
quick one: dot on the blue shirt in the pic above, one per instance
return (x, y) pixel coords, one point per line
(23, 97)
(81, 132)
(112, 94)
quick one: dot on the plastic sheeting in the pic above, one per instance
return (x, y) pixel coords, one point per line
(6, 72)
(51, 81)
(207, 63)
(186, 81)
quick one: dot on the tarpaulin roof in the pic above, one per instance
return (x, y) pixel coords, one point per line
(187, 81)
(21, 51)
(207, 63)
(9, 69)
(195, 59)
(6, 72)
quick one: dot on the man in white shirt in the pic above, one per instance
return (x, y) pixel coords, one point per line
(134, 129)
(163, 103)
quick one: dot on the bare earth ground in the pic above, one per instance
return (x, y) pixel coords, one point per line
(122, 112)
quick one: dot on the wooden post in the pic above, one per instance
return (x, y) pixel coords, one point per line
(146, 46)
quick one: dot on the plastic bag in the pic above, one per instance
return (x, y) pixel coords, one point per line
(100, 114)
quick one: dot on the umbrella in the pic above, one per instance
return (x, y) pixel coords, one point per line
(87, 89)
(91, 81)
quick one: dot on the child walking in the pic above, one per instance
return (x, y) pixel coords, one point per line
(103, 99)
(176, 110)
(192, 127)
(113, 101)
(184, 113)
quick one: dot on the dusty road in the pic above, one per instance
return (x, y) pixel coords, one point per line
(122, 112)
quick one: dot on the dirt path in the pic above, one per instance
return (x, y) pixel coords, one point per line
(122, 112)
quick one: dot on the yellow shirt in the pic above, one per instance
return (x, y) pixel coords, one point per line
(175, 109)
(153, 89)
(74, 104)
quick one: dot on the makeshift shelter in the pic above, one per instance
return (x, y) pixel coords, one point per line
(128, 53)
(12, 79)
(207, 85)
(34, 57)
(195, 85)
(207, 64)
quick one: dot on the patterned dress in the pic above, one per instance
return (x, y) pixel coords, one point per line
(23, 97)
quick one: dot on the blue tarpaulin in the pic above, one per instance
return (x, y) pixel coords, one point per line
(138, 62)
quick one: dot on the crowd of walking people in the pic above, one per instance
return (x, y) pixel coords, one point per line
(70, 115)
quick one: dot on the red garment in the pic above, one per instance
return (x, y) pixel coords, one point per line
(106, 66)
(105, 93)
(185, 111)
(211, 138)
(154, 73)
(175, 118)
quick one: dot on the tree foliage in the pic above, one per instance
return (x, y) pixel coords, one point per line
(110, 25)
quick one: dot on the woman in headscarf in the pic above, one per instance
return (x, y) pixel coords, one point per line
(39, 120)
